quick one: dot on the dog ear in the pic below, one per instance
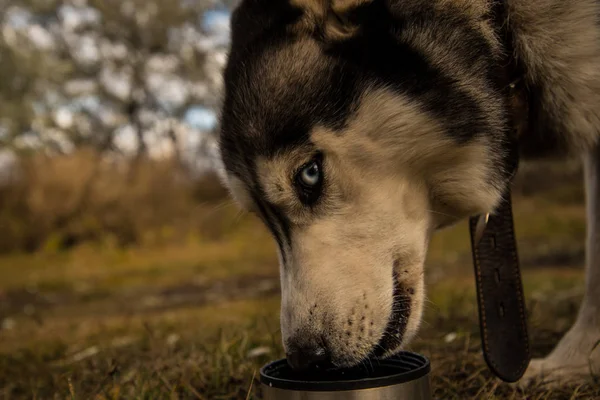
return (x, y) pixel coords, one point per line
(250, 19)
(335, 20)
(344, 18)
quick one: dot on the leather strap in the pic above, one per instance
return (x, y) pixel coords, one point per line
(502, 316)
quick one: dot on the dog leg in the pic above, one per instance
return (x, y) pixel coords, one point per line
(577, 355)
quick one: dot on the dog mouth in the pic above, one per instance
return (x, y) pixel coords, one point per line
(389, 342)
(396, 327)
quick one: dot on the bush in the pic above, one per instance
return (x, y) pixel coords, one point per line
(62, 201)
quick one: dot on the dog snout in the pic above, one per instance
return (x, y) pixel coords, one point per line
(302, 355)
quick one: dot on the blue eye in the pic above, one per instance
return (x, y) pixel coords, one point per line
(309, 181)
(310, 175)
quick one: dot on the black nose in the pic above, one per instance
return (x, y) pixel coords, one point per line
(302, 358)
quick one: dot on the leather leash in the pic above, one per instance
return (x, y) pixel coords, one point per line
(502, 318)
(501, 304)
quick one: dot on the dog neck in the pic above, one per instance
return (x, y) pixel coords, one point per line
(513, 83)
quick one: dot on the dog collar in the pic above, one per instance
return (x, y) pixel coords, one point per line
(500, 299)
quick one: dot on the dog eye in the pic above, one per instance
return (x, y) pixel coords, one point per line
(309, 182)
(310, 175)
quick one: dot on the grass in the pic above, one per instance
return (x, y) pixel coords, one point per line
(197, 320)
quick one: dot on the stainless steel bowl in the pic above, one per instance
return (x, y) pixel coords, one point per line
(404, 376)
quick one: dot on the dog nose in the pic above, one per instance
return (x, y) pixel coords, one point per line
(302, 358)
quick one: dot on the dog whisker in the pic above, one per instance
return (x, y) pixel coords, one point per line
(443, 214)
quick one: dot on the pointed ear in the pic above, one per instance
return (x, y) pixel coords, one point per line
(250, 19)
(335, 20)
(344, 20)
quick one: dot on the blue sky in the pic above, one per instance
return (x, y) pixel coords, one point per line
(216, 24)
(201, 118)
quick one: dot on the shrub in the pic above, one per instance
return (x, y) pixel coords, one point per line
(62, 201)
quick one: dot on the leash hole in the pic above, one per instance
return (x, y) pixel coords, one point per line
(501, 310)
(493, 242)
(497, 275)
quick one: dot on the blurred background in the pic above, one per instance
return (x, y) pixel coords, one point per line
(127, 272)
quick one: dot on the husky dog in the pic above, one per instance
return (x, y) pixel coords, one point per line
(357, 128)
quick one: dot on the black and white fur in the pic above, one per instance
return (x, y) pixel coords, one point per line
(356, 128)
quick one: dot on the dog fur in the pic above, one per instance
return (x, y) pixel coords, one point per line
(403, 107)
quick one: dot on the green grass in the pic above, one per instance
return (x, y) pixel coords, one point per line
(198, 319)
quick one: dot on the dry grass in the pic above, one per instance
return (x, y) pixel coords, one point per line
(196, 319)
(211, 351)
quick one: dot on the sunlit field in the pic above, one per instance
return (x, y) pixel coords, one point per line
(196, 317)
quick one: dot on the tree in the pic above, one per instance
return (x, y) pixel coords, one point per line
(123, 77)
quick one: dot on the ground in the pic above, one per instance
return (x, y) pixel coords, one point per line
(198, 319)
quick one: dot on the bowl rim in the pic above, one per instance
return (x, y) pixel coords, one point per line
(354, 384)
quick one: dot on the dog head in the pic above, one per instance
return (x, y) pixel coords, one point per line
(354, 129)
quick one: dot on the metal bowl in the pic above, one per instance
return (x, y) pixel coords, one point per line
(404, 376)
